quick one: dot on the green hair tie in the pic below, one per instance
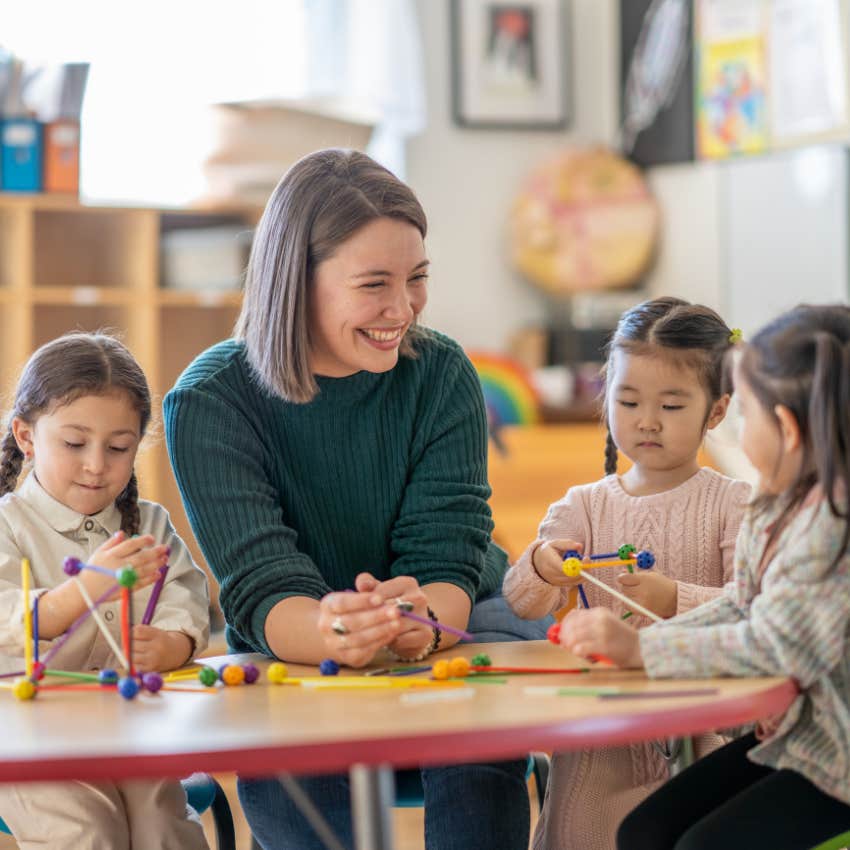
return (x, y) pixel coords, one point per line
(736, 336)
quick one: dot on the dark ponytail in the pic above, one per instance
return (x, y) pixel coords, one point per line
(801, 361)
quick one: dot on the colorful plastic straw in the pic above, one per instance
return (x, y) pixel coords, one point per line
(75, 625)
(92, 606)
(622, 597)
(35, 629)
(25, 589)
(435, 624)
(157, 589)
(126, 627)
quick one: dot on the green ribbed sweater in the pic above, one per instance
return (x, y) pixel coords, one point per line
(380, 472)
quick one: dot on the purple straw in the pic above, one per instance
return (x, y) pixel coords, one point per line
(35, 629)
(73, 627)
(157, 589)
(435, 624)
(9, 675)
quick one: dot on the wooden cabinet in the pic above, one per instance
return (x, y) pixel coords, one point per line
(64, 267)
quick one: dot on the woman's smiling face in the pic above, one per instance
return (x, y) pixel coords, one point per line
(364, 298)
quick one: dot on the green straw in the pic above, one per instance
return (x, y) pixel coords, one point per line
(83, 677)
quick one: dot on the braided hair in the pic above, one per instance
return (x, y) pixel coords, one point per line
(696, 334)
(60, 372)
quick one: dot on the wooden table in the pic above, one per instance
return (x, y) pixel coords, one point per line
(264, 729)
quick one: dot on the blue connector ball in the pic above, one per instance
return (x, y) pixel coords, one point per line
(329, 667)
(645, 560)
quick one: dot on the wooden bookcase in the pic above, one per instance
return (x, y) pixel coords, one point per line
(65, 266)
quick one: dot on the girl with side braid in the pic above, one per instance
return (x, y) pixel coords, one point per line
(664, 391)
(80, 411)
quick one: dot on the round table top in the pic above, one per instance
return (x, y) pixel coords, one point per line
(263, 728)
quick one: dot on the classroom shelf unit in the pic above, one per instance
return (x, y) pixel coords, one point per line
(65, 266)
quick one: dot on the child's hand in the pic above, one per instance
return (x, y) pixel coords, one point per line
(599, 631)
(140, 553)
(548, 562)
(652, 590)
(157, 650)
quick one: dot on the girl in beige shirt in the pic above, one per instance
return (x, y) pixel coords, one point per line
(81, 409)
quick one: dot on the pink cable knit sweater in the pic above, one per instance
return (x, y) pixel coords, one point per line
(691, 530)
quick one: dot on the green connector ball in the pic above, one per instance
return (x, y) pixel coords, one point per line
(207, 676)
(481, 660)
(126, 577)
(625, 551)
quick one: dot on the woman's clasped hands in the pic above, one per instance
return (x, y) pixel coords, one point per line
(355, 625)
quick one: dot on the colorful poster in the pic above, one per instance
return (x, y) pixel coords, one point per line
(731, 102)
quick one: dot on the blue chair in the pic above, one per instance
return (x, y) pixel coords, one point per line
(202, 792)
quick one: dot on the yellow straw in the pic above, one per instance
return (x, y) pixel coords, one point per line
(25, 587)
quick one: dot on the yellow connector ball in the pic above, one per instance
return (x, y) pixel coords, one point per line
(277, 672)
(572, 567)
(440, 670)
(458, 668)
(24, 689)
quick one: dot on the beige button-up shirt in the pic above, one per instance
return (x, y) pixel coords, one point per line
(34, 525)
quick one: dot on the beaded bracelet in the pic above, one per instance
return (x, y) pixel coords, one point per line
(432, 646)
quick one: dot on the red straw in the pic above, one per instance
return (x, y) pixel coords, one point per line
(489, 669)
(125, 627)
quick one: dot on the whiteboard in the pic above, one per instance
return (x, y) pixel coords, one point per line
(784, 230)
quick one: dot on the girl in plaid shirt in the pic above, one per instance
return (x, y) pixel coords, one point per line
(786, 612)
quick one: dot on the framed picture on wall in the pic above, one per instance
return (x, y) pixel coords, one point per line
(510, 64)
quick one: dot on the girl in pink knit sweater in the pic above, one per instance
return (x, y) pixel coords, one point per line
(664, 391)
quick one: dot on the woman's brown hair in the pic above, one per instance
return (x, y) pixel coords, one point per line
(58, 373)
(695, 334)
(321, 201)
(801, 360)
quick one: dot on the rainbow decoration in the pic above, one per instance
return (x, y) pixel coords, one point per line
(509, 394)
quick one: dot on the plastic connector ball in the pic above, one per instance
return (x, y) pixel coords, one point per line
(232, 674)
(38, 671)
(152, 682)
(24, 689)
(72, 566)
(645, 560)
(126, 577)
(108, 677)
(625, 552)
(481, 660)
(458, 667)
(207, 676)
(572, 567)
(553, 633)
(329, 667)
(441, 670)
(128, 687)
(277, 672)
(252, 673)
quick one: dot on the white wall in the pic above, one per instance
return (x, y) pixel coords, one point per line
(467, 179)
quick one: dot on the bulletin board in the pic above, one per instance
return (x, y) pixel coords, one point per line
(769, 74)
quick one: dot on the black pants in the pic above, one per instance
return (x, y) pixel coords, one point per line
(725, 802)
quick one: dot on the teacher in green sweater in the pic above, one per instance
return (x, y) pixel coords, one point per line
(334, 445)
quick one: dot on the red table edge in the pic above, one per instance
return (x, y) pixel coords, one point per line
(453, 747)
